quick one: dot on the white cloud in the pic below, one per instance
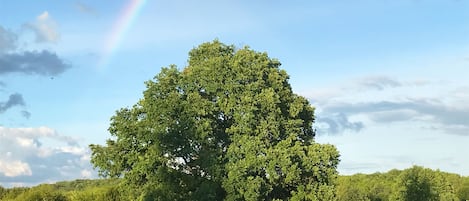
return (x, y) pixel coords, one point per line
(378, 82)
(28, 132)
(25, 142)
(363, 87)
(44, 28)
(14, 168)
(73, 150)
(86, 173)
(36, 155)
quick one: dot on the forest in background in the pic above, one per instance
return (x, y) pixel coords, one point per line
(412, 184)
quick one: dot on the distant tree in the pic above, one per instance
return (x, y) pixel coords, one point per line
(228, 126)
(463, 192)
(3, 191)
(352, 188)
(93, 193)
(423, 184)
(13, 193)
(372, 187)
(380, 186)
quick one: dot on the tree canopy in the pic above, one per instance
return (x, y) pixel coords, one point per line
(226, 127)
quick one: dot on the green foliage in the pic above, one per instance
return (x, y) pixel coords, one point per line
(373, 187)
(90, 190)
(39, 193)
(13, 193)
(80, 190)
(3, 191)
(463, 190)
(352, 188)
(228, 126)
(418, 183)
(95, 194)
(81, 184)
(413, 184)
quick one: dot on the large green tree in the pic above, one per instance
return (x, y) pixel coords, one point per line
(226, 127)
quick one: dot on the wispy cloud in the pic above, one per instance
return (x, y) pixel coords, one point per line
(84, 8)
(14, 100)
(8, 40)
(360, 85)
(378, 82)
(26, 114)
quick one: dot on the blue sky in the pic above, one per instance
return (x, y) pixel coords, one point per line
(389, 79)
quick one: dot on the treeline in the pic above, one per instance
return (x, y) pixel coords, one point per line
(413, 184)
(78, 190)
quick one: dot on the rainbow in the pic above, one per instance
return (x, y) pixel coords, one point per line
(119, 31)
